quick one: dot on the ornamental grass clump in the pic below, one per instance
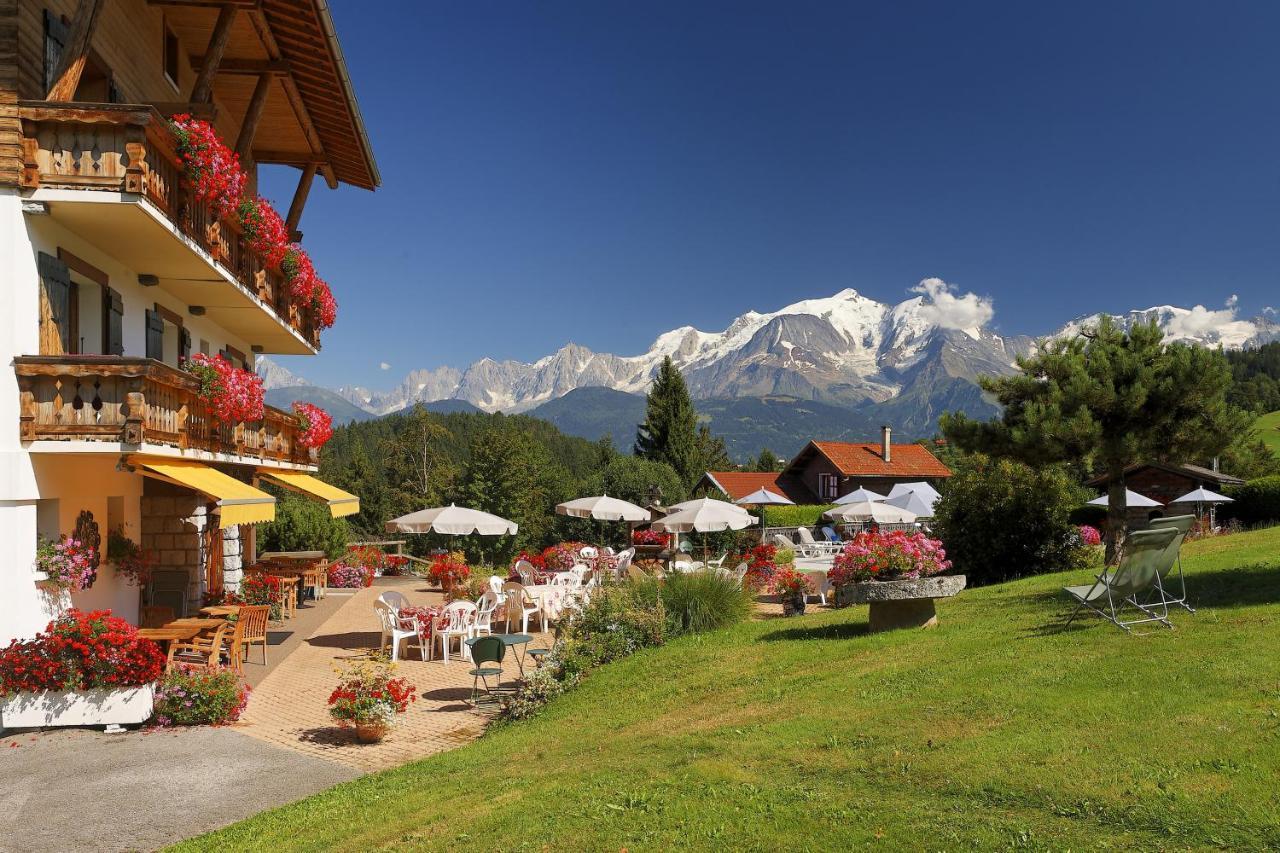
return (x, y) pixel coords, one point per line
(888, 556)
(703, 601)
(80, 651)
(198, 696)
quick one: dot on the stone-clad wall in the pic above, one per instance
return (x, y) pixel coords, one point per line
(173, 520)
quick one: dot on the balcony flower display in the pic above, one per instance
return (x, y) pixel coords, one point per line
(211, 167)
(368, 698)
(80, 651)
(234, 395)
(888, 556)
(325, 306)
(317, 425)
(68, 564)
(299, 273)
(263, 229)
(132, 563)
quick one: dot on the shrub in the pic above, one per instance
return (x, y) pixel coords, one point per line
(617, 622)
(198, 696)
(703, 601)
(785, 557)
(303, 525)
(1256, 502)
(80, 651)
(1000, 520)
(804, 515)
(539, 687)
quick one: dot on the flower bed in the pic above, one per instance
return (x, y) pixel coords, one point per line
(196, 696)
(888, 556)
(234, 395)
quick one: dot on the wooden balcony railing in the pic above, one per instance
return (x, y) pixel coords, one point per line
(128, 148)
(137, 400)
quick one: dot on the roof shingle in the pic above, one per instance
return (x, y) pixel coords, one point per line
(865, 460)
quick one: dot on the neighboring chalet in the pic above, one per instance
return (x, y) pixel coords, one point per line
(113, 271)
(1164, 481)
(825, 470)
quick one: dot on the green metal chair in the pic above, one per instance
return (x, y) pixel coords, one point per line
(486, 650)
(1174, 593)
(1134, 583)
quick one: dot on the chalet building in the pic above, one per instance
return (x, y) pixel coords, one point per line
(1164, 481)
(113, 271)
(825, 470)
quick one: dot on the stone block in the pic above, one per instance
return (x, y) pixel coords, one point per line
(192, 558)
(162, 506)
(230, 564)
(173, 525)
(177, 559)
(186, 540)
(164, 541)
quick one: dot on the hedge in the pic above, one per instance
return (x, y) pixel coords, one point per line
(1256, 502)
(794, 516)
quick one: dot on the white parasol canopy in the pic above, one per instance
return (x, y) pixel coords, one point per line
(912, 502)
(452, 521)
(1131, 499)
(859, 496)
(764, 497)
(705, 515)
(698, 502)
(604, 508)
(881, 513)
(923, 489)
(1202, 496)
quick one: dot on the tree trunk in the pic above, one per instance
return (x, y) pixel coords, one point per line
(1117, 515)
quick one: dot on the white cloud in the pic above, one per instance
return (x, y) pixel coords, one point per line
(384, 366)
(943, 307)
(1221, 325)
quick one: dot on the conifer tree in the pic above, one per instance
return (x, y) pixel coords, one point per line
(670, 430)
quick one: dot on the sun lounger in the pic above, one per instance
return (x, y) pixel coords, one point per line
(1135, 583)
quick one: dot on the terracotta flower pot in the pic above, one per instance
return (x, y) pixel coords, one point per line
(371, 732)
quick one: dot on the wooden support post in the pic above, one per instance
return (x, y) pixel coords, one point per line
(203, 90)
(300, 198)
(244, 144)
(76, 51)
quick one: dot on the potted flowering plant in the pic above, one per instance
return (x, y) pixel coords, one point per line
(131, 562)
(317, 425)
(67, 565)
(233, 395)
(211, 168)
(792, 587)
(83, 669)
(447, 570)
(898, 574)
(649, 537)
(368, 698)
(762, 563)
(348, 576)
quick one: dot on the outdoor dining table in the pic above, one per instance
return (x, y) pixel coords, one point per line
(221, 610)
(518, 642)
(198, 622)
(550, 598)
(170, 633)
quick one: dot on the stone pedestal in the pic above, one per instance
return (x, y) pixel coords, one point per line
(902, 603)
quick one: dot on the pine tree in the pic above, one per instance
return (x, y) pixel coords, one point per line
(670, 430)
(1112, 397)
(507, 476)
(767, 462)
(709, 454)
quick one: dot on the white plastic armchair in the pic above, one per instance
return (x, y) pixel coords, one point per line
(525, 570)
(397, 629)
(520, 606)
(457, 620)
(808, 541)
(486, 606)
(395, 600)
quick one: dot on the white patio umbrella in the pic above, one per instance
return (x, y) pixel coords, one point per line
(926, 491)
(764, 497)
(1131, 499)
(700, 502)
(604, 508)
(1202, 496)
(452, 521)
(911, 502)
(705, 515)
(881, 513)
(859, 496)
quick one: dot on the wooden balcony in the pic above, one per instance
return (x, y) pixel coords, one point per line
(138, 401)
(129, 149)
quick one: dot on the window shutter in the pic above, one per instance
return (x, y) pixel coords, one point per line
(184, 346)
(155, 335)
(113, 340)
(55, 306)
(55, 39)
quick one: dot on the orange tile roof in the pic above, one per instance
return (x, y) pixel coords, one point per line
(739, 484)
(864, 460)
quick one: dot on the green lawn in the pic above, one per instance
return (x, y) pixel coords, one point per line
(995, 730)
(1268, 427)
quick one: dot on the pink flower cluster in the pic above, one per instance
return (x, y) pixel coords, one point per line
(308, 287)
(317, 425)
(888, 556)
(69, 563)
(234, 395)
(263, 229)
(212, 168)
(1090, 535)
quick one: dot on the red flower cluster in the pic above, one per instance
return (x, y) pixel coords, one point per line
(234, 395)
(787, 582)
(317, 425)
(650, 537)
(761, 565)
(368, 693)
(305, 285)
(264, 230)
(448, 570)
(325, 306)
(212, 168)
(80, 651)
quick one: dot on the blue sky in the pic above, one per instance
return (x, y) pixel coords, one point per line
(600, 172)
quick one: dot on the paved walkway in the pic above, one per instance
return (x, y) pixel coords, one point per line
(289, 707)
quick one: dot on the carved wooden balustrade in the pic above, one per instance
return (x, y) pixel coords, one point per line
(137, 400)
(129, 148)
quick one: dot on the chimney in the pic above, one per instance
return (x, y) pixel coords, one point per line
(886, 435)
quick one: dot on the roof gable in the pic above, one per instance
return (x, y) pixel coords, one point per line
(865, 459)
(739, 484)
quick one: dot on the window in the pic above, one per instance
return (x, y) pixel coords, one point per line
(55, 39)
(171, 47)
(827, 486)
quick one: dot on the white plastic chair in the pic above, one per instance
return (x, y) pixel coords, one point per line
(624, 562)
(588, 553)
(564, 580)
(456, 621)
(397, 628)
(495, 586)
(521, 605)
(394, 599)
(525, 570)
(718, 563)
(486, 606)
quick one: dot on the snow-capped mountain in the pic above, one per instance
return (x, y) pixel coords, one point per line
(846, 349)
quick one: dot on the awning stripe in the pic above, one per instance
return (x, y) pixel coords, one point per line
(340, 503)
(239, 503)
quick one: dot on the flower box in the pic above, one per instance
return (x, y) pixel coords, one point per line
(97, 707)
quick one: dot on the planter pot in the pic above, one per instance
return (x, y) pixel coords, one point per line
(372, 732)
(901, 603)
(793, 605)
(99, 707)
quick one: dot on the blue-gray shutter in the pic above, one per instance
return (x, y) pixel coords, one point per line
(155, 335)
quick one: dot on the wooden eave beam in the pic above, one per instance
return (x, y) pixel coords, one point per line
(252, 115)
(288, 158)
(208, 112)
(202, 92)
(234, 65)
(76, 51)
(300, 200)
(247, 5)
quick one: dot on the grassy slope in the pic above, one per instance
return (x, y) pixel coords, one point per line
(993, 730)
(1268, 426)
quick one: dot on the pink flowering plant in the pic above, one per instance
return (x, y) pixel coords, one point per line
(191, 695)
(234, 395)
(346, 576)
(263, 229)
(1089, 535)
(317, 425)
(212, 169)
(68, 564)
(888, 556)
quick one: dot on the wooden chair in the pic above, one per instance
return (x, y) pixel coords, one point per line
(253, 621)
(154, 615)
(201, 650)
(233, 641)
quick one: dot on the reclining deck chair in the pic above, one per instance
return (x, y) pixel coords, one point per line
(1134, 583)
(1175, 590)
(823, 548)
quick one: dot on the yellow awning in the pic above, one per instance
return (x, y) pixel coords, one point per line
(239, 502)
(340, 503)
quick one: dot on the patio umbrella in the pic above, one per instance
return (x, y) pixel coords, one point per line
(452, 521)
(911, 502)
(764, 497)
(705, 515)
(699, 502)
(1131, 499)
(881, 513)
(923, 489)
(859, 496)
(603, 508)
(1200, 497)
